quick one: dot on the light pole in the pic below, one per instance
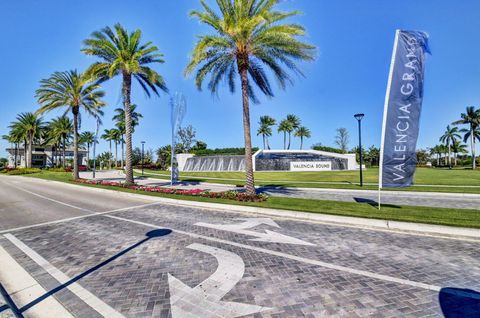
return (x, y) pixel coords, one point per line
(359, 118)
(94, 156)
(143, 156)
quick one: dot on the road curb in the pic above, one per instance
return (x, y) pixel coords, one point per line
(416, 228)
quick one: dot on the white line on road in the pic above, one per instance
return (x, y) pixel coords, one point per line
(301, 259)
(76, 218)
(89, 298)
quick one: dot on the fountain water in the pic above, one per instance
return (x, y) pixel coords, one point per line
(215, 163)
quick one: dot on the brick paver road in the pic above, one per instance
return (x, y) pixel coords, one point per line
(212, 263)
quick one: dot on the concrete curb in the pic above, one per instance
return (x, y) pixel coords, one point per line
(415, 228)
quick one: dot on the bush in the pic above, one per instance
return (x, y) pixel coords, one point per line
(222, 151)
(21, 171)
(327, 149)
(59, 169)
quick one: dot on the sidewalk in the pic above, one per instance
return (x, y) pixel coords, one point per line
(431, 199)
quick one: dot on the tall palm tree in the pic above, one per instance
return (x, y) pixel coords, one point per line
(75, 92)
(471, 118)
(122, 53)
(29, 126)
(266, 122)
(295, 123)
(117, 138)
(119, 119)
(109, 135)
(449, 137)
(87, 138)
(249, 35)
(60, 131)
(286, 127)
(302, 132)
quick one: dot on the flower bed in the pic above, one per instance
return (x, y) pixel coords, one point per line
(231, 195)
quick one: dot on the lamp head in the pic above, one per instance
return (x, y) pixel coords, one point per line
(359, 116)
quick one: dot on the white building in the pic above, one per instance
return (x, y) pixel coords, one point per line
(44, 156)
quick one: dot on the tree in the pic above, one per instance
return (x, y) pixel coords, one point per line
(295, 123)
(122, 53)
(187, 137)
(249, 36)
(87, 138)
(342, 139)
(449, 137)
(74, 92)
(372, 155)
(457, 148)
(60, 131)
(109, 135)
(199, 145)
(422, 156)
(119, 119)
(29, 126)
(15, 137)
(265, 124)
(285, 127)
(471, 118)
(302, 132)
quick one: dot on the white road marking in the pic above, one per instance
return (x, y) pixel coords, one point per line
(75, 218)
(267, 236)
(90, 299)
(206, 297)
(23, 288)
(302, 259)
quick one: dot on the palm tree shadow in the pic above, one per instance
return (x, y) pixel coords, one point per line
(149, 235)
(459, 303)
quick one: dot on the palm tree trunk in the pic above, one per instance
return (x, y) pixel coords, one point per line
(289, 140)
(284, 140)
(472, 142)
(123, 152)
(25, 150)
(127, 86)
(449, 157)
(63, 152)
(301, 143)
(116, 154)
(30, 146)
(16, 154)
(88, 155)
(264, 142)
(75, 143)
(250, 181)
(110, 157)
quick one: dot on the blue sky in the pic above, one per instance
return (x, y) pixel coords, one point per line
(354, 40)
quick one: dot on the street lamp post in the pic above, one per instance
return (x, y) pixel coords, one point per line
(94, 156)
(143, 156)
(359, 118)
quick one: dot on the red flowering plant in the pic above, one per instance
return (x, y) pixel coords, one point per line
(230, 195)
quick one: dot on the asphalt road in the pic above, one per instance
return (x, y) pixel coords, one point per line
(105, 254)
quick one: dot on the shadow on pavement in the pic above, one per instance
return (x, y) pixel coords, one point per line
(149, 235)
(375, 203)
(459, 303)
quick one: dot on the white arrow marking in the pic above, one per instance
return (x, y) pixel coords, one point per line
(204, 300)
(267, 236)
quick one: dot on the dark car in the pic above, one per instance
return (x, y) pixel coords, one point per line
(82, 168)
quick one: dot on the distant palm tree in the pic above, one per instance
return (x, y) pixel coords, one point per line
(14, 137)
(109, 135)
(30, 127)
(449, 137)
(60, 130)
(285, 127)
(119, 119)
(117, 139)
(249, 35)
(302, 132)
(87, 138)
(122, 53)
(471, 118)
(295, 123)
(74, 92)
(457, 148)
(265, 129)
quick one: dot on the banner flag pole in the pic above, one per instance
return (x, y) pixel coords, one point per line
(385, 112)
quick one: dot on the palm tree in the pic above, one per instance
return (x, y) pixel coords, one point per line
(265, 129)
(249, 36)
(286, 127)
(458, 147)
(29, 126)
(295, 123)
(117, 138)
(119, 119)
(60, 130)
(74, 92)
(87, 138)
(123, 54)
(471, 118)
(109, 135)
(449, 137)
(302, 132)
(14, 137)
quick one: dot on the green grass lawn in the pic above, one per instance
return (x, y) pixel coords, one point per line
(426, 179)
(440, 216)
